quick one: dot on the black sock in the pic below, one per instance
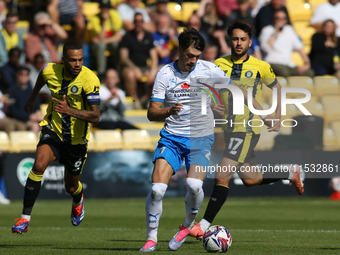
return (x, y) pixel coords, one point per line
(217, 199)
(270, 177)
(77, 198)
(32, 189)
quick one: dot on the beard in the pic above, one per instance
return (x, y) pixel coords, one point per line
(234, 53)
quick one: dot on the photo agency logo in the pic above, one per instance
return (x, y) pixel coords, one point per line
(238, 104)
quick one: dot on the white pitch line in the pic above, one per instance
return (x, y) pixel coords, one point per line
(231, 230)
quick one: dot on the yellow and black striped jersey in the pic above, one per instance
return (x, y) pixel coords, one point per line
(81, 92)
(246, 73)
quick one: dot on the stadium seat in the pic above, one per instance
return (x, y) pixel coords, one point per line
(108, 140)
(137, 140)
(314, 107)
(329, 141)
(188, 8)
(297, 59)
(315, 3)
(23, 141)
(175, 10)
(90, 9)
(331, 103)
(297, 10)
(304, 30)
(336, 129)
(301, 82)
(5, 144)
(92, 144)
(326, 84)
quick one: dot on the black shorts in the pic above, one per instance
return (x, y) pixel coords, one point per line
(73, 157)
(239, 146)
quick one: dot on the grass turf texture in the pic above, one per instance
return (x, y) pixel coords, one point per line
(117, 226)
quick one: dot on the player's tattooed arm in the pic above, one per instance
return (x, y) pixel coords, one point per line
(91, 116)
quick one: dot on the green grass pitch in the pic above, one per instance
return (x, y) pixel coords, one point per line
(298, 225)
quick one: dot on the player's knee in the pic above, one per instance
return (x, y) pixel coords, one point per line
(250, 182)
(39, 167)
(70, 189)
(158, 191)
(194, 185)
(222, 181)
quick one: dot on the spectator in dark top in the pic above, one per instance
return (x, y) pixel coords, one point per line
(20, 93)
(8, 71)
(266, 15)
(208, 15)
(35, 68)
(325, 50)
(243, 13)
(135, 49)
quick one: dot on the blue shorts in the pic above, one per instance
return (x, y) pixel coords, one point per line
(173, 148)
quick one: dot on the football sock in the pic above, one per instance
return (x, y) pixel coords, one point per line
(204, 224)
(77, 195)
(32, 189)
(154, 209)
(270, 177)
(27, 217)
(217, 199)
(193, 199)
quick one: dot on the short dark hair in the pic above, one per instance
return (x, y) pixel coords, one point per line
(71, 45)
(13, 51)
(191, 37)
(11, 14)
(244, 26)
(21, 68)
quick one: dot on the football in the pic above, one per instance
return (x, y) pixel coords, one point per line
(217, 239)
(334, 184)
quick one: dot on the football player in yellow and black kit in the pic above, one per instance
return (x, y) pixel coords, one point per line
(65, 129)
(240, 137)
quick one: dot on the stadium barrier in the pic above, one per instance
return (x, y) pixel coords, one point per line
(127, 173)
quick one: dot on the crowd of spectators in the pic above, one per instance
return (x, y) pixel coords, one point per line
(136, 39)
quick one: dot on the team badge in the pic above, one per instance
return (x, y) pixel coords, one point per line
(248, 74)
(74, 89)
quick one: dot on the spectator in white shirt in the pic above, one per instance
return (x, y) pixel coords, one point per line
(127, 13)
(326, 11)
(278, 42)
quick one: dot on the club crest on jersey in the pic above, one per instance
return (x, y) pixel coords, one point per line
(74, 89)
(248, 74)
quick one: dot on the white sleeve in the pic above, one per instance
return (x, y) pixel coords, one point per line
(104, 93)
(123, 12)
(145, 14)
(159, 88)
(297, 44)
(318, 15)
(265, 34)
(122, 96)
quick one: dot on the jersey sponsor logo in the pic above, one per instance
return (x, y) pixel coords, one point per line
(185, 86)
(74, 89)
(249, 74)
(208, 154)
